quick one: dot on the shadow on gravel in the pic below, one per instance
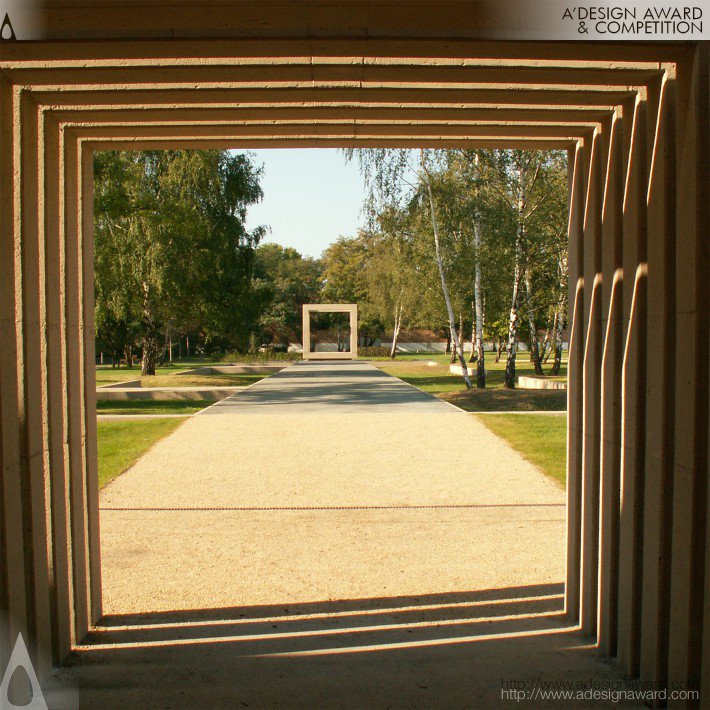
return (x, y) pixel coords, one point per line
(319, 385)
(435, 650)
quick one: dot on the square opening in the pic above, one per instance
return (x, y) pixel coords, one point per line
(329, 331)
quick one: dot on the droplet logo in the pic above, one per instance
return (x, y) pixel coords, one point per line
(21, 659)
(6, 31)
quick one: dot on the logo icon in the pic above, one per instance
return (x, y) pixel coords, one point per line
(6, 31)
(20, 658)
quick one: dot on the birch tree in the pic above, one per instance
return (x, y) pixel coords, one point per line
(456, 343)
(393, 175)
(528, 182)
(478, 307)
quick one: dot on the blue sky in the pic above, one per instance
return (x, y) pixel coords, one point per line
(311, 197)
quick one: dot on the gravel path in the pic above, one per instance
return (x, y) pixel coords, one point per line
(326, 481)
(330, 537)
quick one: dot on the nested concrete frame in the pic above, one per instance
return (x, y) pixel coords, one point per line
(635, 131)
(350, 309)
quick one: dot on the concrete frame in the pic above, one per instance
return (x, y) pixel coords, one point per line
(633, 118)
(309, 308)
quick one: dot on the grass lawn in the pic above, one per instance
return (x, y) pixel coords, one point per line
(540, 438)
(413, 357)
(442, 383)
(121, 444)
(502, 400)
(160, 380)
(151, 406)
(106, 375)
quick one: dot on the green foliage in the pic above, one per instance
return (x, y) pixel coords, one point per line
(346, 279)
(471, 189)
(256, 358)
(173, 256)
(345, 270)
(172, 251)
(373, 351)
(283, 281)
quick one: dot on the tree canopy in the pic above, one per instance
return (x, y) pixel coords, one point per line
(172, 250)
(467, 244)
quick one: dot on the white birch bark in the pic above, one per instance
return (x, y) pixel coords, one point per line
(397, 326)
(545, 349)
(455, 343)
(513, 317)
(478, 300)
(534, 346)
(560, 318)
(473, 330)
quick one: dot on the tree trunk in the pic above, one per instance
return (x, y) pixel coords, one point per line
(512, 335)
(480, 357)
(556, 324)
(395, 332)
(513, 318)
(473, 333)
(151, 352)
(560, 313)
(558, 354)
(535, 356)
(461, 333)
(128, 355)
(448, 341)
(454, 349)
(558, 337)
(499, 351)
(442, 275)
(546, 347)
(478, 300)
(152, 341)
(532, 323)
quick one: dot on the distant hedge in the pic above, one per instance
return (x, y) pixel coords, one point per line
(373, 351)
(260, 357)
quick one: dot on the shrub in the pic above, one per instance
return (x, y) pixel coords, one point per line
(373, 351)
(259, 357)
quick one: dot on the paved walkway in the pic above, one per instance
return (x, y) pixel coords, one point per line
(330, 537)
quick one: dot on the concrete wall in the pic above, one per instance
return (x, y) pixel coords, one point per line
(325, 351)
(634, 121)
(163, 394)
(234, 370)
(437, 347)
(540, 383)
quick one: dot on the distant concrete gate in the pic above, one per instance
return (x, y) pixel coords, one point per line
(351, 309)
(633, 119)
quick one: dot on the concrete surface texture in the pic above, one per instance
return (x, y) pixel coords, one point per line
(162, 394)
(632, 117)
(330, 537)
(345, 308)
